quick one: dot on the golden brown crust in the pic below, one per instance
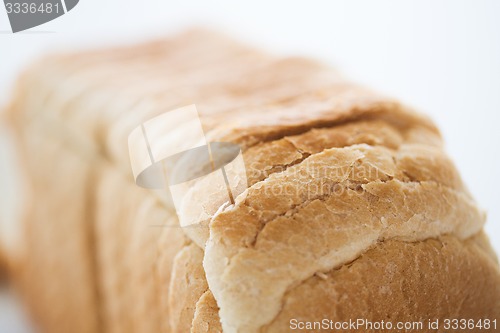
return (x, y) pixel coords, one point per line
(482, 241)
(334, 204)
(188, 284)
(399, 282)
(206, 317)
(394, 281)
(275, 156)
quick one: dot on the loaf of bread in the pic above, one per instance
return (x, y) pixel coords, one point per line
(352, 209)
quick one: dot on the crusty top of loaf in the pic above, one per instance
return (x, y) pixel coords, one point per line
(333, 168)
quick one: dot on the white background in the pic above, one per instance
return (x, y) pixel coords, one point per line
(443, 57)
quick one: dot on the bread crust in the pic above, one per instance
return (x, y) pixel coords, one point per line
(397, 281)
(206, 317)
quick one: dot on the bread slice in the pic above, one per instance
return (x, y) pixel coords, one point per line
(3, 267)
(352, 208)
